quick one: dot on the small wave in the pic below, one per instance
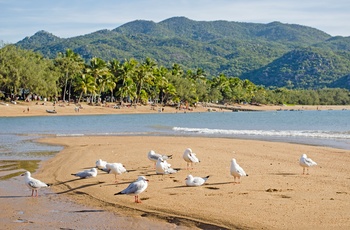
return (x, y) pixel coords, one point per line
(278, 133)
(99, 134)
(70, 135)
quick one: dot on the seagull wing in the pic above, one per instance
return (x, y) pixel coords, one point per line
(309, 162)
(193, 158)
(133, 188)
(198, 181)
(83, 174)
(240, 170)
(153, 157)
(35, 184)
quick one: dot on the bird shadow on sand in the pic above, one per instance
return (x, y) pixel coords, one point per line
(285, 174)
(80, 187)
(11, 197)
(89, 167)
(180, 186)
(119, 183)
(220, 183)
(206, 185)
(64, 182)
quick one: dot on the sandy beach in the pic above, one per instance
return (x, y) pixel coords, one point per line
(40, 108)
(275, 195)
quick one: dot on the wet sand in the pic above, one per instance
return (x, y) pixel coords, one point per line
(274, 196)
(53, 211)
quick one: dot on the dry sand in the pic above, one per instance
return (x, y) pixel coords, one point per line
(274, 196)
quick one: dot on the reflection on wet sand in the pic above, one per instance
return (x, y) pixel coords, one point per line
(54, 211)
(13, 168)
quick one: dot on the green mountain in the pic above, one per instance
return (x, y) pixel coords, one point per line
(273, 54)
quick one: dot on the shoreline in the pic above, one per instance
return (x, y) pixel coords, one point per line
(272, 197)
(23, 109)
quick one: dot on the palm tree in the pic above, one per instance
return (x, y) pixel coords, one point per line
(127, 86)
(70, 64)
(143, 75)
(97, 69)
(85, 84)
(222, 83)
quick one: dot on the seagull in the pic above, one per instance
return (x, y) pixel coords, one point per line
(306, 162)
(195, 181)
(190, 157)
(33, 184)
(237, 171)
(100, 164)
(135, 188)
(86, 173)
(163, 167)
(115, 168)
(153, 156)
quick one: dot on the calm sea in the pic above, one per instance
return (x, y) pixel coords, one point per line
(325, 128)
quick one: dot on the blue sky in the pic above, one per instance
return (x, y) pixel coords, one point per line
(63, 18)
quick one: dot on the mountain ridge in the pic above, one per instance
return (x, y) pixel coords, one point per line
(253, 51)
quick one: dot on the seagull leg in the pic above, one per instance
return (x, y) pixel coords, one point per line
(32, 192)
(137, 199)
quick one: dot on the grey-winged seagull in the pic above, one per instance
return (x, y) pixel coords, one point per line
(190, 157)
(135, 188)
(195, 181)
(101, 164)
(153, 156)
(163, 167)
(306, 162)
(33, 183)
(86, 173)
(237, 171)
(116, 169)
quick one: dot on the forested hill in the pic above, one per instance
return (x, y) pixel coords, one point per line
(273, 54)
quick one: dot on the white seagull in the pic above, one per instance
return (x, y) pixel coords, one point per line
(190, 157)
(153, 156)
(135, 188)
(116, 169)
(33, 184)
(163, 167)
(306, 162)
(195, 181)
(237, 171)
(101, 164)
(86, 173)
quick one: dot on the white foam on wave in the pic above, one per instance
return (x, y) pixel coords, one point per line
(278, 133)
(70, 135)
(99, 134)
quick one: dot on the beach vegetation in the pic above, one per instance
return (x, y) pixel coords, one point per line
(68, 78)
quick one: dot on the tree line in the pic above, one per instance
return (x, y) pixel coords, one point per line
(68, 77)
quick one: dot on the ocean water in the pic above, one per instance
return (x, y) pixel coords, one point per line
(326, 128)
